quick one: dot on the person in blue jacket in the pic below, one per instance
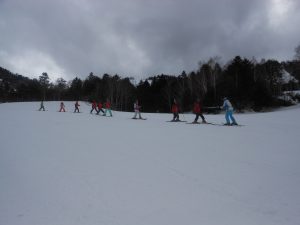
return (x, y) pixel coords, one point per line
(229, 112)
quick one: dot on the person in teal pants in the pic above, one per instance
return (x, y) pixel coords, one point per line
(229, 112)
(107, 108)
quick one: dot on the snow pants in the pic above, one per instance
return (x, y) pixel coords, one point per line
(107, 110)
(136, 112)
(229, 116)
(94, 108)
(176, 116)
(197, 117)
(99, 111)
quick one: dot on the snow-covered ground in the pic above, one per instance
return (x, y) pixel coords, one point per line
(83, 169)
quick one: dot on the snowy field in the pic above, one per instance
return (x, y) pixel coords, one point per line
(83, 169)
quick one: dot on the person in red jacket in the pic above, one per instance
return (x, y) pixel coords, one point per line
(76, 107)
(62, 107)
(94, 107)
(197, 110)
(175, 111)
(100, 108)
(107, 108)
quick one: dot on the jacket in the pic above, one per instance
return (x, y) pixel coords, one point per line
(227, 105)
(197, 108)
(107, 105)
(175, 108)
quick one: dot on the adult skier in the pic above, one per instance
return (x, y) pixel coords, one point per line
(62, 107)
(107, 108)
(100, 108)
(76, 107)
(42, 107)
(94, 107)
(228, 112)
(175, 111)
(197, 110)
(137, 108)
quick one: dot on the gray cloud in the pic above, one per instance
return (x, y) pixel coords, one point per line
(141, 38)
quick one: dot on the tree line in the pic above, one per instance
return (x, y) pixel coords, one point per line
(248, 83)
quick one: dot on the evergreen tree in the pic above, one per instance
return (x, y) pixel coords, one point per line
(76, 88)
(44, 82)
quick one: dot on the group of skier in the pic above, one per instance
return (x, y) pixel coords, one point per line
(197, 110)
(95, 106)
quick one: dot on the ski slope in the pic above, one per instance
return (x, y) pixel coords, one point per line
(82, 169)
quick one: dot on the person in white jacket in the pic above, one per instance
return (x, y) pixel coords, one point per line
(229, 112)
(137, 108)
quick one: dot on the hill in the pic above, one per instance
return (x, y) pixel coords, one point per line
(74, 169)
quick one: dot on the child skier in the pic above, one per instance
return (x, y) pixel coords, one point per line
(197, 111)
(100, 108)
(107, 108)
(175, 111)
(76, 107)
(42, 106)
(229, 111)
(137, 108)
(62, 107)
(94, 107)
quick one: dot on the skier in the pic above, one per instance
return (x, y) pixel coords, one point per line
(100, 108)
(42, 106)
(197, 111)
(107, 108)
(137, 108)
(76, 107)
(62, 107)
(229, 111)
(94, 107)
(175, 111)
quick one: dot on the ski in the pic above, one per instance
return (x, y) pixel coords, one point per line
(207, 123)
(225, 125)
(233, 125)
(216, 124)
(197, 123)
(176, 121)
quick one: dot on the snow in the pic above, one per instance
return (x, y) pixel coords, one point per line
(290, 96)
(293, 93)
(73, 169)
(286, 77)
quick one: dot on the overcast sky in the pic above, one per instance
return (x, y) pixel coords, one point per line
(140, 38)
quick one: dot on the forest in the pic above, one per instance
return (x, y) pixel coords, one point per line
(248, 83)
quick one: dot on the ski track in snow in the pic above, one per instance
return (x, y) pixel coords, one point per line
(69, 169)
